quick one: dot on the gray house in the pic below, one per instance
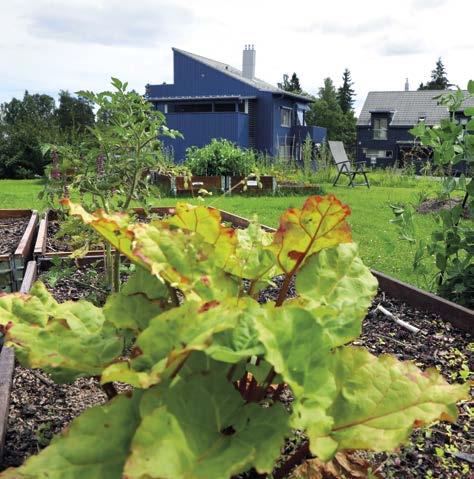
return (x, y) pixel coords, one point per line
(383, 137)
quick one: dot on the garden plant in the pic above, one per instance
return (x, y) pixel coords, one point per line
(110, 168)
(207, 363)
(452, 243)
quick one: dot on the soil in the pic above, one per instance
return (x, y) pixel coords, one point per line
(40, 408)
(12, 230)
(435, 205)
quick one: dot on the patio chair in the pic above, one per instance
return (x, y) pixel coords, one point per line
(345, 167)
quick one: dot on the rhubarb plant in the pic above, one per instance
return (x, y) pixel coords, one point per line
(208, 361)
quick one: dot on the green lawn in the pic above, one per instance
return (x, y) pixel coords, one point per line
(379, 245)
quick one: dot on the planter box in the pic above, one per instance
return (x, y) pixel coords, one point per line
(12, 265)
(234, 184)
(40, 247)
(209, 183)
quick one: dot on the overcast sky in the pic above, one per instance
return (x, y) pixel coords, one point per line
(46, 46)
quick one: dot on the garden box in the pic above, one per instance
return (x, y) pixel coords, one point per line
(235, 184)
(21, 232)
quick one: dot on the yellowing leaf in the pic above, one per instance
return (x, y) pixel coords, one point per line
(379, 401)
(321, 223)
(67, 340)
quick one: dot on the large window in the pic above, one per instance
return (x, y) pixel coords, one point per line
(285, 116)
(224, 106)
(190, 108)
(380, 128)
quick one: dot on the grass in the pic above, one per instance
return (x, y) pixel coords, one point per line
(378, 239)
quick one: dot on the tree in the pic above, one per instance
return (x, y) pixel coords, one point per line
(74, 114)
(293, 85)
(24, 125)
(439, 79)
(345, 93)
(326, 111)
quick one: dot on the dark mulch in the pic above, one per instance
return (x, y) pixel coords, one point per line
(12, 230)
(54, 244)
(39, 409)
(435, 205)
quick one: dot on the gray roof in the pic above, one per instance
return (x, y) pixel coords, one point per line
(407, 107)
(236, 73)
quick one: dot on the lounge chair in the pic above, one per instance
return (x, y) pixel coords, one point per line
(344, 165)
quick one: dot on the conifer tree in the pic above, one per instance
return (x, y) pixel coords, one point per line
(345, 93)
(439, 79)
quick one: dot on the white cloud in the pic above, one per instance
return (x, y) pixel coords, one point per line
(48, 45)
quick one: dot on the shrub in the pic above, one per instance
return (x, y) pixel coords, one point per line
(220, 157)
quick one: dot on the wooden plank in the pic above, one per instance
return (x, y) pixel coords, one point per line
(14, 213)
(459, 316)
(29, 277)
(25, 245)
(40, 243)
(7, 365)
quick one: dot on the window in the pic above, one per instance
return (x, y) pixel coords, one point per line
(421, 118)
(378, 153)
(300, 117)
(380, 128)
(190, 107)
(285, 116)
(224, 106)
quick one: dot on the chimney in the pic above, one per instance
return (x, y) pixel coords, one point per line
(407, 86)
(248, 62)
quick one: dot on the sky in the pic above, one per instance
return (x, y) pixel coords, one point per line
(52, 45)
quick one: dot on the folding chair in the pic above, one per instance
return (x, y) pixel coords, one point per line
(344, 165)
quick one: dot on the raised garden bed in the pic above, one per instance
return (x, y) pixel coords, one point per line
(241, 184)
(17, 232)
(437, 344)
(179, 185)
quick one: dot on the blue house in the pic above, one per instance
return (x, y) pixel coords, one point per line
(383, 137)
(210, 99)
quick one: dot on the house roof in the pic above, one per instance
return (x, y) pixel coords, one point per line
(201, 97)
(236, 73)
(407, 107)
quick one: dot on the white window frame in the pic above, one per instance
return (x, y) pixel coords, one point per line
(289, 117)
(380, 133)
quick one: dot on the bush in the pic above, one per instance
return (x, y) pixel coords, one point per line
(220, 157)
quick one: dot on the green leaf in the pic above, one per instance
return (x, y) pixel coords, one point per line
(321, 223)
(73, 456)
(338, 289)
(205, 430)
(380, 400)
(143, 297)
(296, 347)
(470, 87)
(469, 111)
(172, 336)
(67, 340)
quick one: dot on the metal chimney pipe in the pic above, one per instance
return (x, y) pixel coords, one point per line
(248, 62)
(407, 86)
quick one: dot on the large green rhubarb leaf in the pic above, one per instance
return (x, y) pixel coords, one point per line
(95, 446)
(143, 297)
(379, 401)
(200, 428)
(321, 223)
(173, 335)
(295, 345)
(338, 289)
(68, 340)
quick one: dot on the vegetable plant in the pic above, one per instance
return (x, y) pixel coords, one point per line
(209, 362)
(110, 170)
(220, 157)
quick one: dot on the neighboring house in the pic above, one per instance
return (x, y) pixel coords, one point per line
(210, 99)
(387, 116)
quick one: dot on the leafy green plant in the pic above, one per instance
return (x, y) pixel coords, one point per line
(452, 243)
(307, 155)
(206, 353)
(110, 170)
(220, 157)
